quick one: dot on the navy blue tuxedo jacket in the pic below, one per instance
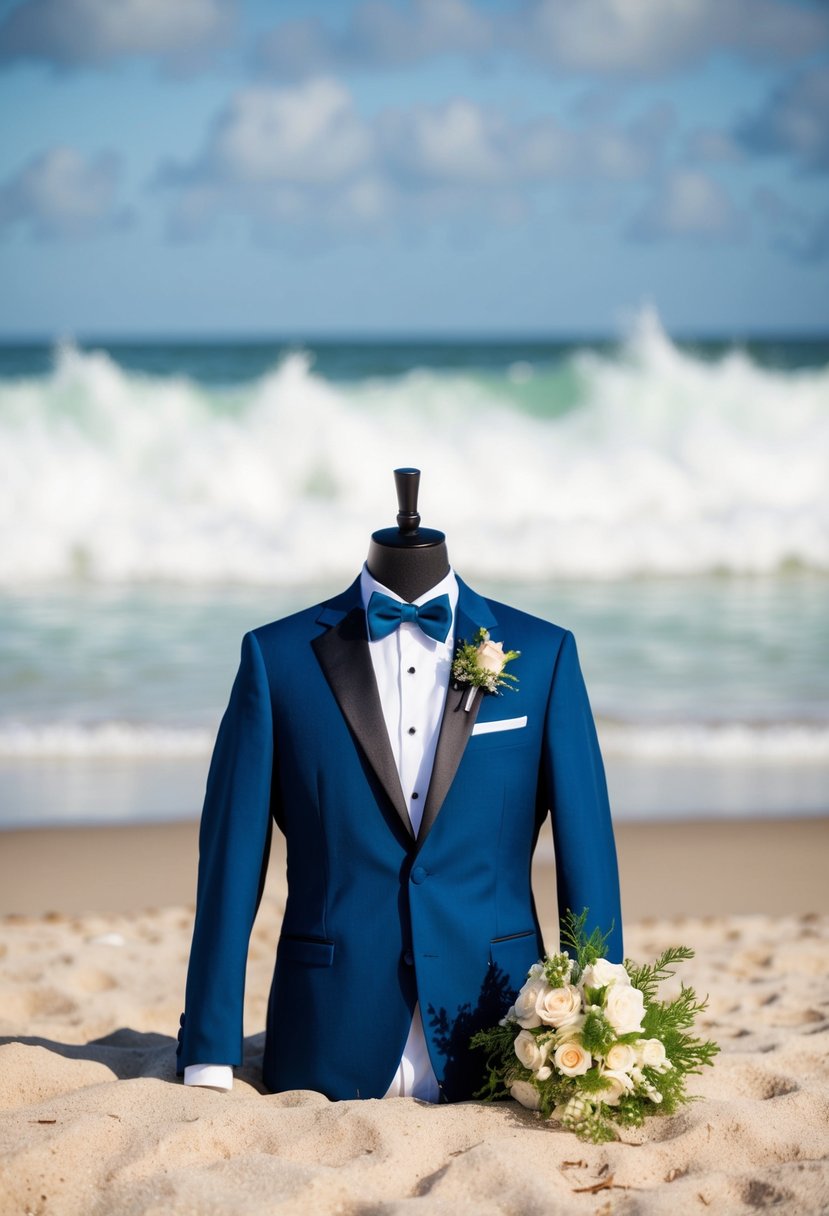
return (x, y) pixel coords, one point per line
(376, 916)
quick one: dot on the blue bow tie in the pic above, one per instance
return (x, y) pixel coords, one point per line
(384, 615)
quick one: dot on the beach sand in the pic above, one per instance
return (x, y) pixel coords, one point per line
(93, 955)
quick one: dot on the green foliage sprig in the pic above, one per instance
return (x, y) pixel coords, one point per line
(467, 669)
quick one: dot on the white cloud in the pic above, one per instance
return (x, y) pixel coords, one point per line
(655, 36)
(309, 134)
(454, 142)
(609, 36)
(292, 153)
(459, 141)
(794, 121)
(299, 155)
(63, 194)
(709, 145)
(76, 33)
(604, 37)
(801, 235)
(688, 203)
(377, 35)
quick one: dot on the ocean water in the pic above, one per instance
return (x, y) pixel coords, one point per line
(665, 500)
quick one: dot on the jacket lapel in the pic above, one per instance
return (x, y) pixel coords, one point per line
(472, 613)
(343, 654)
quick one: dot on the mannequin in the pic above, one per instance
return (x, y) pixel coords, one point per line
(410, 816)
(408, 559)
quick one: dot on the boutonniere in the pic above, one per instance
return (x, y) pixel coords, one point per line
(481, 664)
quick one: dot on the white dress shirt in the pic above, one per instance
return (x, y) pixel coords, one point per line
(412, 674)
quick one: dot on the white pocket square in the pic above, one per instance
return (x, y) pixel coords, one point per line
(484, 728)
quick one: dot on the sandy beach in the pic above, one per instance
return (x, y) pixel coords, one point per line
(95, 937)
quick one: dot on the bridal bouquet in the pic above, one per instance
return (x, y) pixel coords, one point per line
(588, 1043)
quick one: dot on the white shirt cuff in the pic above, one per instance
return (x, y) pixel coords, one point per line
(220, 1076)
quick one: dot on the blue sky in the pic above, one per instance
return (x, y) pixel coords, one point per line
(418, 167)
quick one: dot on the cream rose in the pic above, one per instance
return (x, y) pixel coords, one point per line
(624, 1008)
(530, 1052)
(621, 1058)
(526, 1094)
(652, 1053)
(571, 1059)
(525, 1012)
(544, 1072)
(618, 1083)
(601, 973)
(490, 656)
(558, 1006)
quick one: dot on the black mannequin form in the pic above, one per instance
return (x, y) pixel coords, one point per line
(408, 559)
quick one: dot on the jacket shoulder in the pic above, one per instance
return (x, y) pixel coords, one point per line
(302, 626)
(286, 628)
(526, 623)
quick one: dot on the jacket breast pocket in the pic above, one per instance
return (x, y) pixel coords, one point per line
(313, 951)
(491, 737)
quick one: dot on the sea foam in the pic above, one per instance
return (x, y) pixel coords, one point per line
(647, 459)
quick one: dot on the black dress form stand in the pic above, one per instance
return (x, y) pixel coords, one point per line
(408, 559)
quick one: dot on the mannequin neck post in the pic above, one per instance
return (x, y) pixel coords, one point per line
(409, 570)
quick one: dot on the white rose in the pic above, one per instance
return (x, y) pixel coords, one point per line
(602, 973)
(544, 1072)
(526, 1094)
(618, 1083)
(508, 1017)
(490, 656)
(571, 1030)
(531, 1054)
(571, 1059)
(621, 1058)
(536, 972)
(558, 1006)
(525, 1013)
(652, 1052)
(624, 1008)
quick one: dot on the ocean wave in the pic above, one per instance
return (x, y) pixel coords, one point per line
(703, 743)
(103, 740)
(646, 460)
(717, 743)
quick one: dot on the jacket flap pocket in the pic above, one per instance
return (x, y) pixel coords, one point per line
(315, 951)
(514, 954)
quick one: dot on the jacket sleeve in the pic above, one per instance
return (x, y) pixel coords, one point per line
(585, 849)
(234, 843)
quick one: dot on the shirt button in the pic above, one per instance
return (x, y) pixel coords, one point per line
(415, 794)
(411, 730)
(411, 671)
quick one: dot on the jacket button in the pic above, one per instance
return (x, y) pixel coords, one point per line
(408, 958)
(418, 874)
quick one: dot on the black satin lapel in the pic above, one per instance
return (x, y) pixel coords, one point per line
(344, 656)
(456, 725)
(455, 730)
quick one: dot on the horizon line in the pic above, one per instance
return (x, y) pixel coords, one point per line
(405, 337)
